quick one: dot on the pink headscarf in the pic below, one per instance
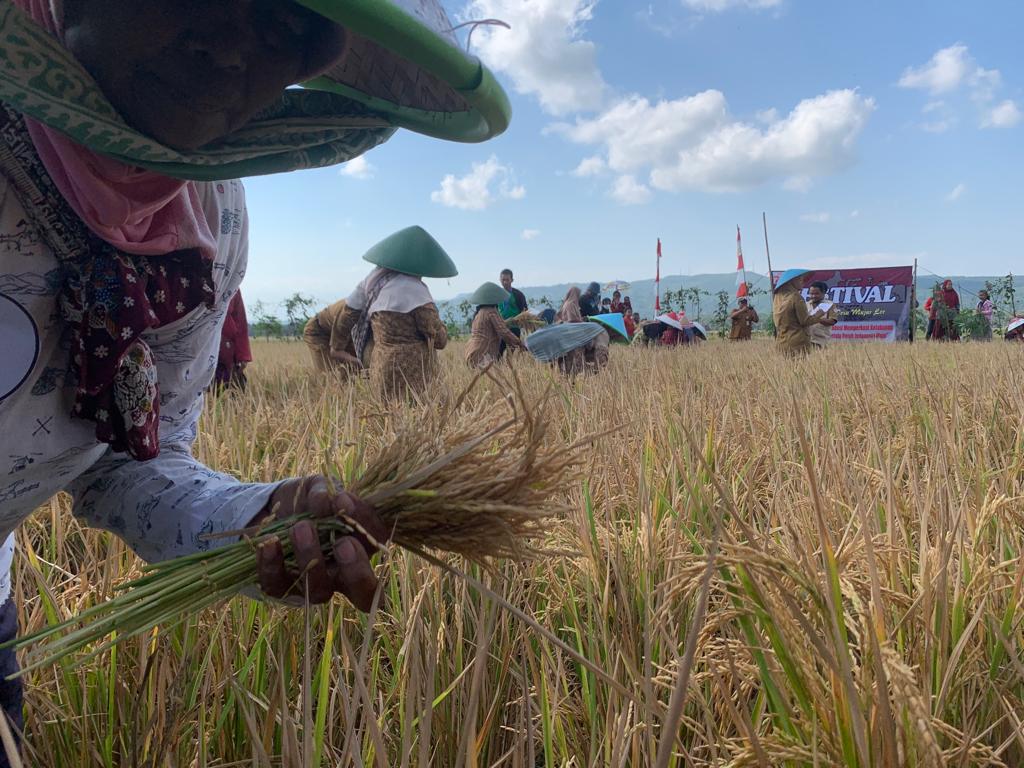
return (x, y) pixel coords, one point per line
(135, 210)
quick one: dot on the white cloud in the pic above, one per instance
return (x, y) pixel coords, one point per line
(486, 183)
(717, 6)
(854, 214)
(937, 126)
(954, 69)
(956, 193)
(544, 54)
(589, 166)
(1004, 115)
(798, 184)
(693, 143)
(628, 191)
(817, 218)
(358, 168)
(944, 72)
(530, 234)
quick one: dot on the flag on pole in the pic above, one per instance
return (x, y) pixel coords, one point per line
(657, 281)
(741, 271)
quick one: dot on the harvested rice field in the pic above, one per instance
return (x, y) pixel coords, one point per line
(759, 562)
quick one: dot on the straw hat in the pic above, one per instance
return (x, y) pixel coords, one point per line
(412, 251)
(488, 294)
(789, 275)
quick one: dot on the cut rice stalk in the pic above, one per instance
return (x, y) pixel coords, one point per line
(470, 481)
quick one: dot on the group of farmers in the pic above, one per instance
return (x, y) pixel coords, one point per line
(390, 325)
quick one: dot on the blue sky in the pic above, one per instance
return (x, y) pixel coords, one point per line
(870, 132)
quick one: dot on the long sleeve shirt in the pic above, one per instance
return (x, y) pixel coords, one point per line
(792, 320)
(234, 336)
(163, 507)
(488, 331)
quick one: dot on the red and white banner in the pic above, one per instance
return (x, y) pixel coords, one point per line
(874, 304)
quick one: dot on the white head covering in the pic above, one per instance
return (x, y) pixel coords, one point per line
(388, 291)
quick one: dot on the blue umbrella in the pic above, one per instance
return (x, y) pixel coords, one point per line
(555, 341)
(790, 274)
(612, 322)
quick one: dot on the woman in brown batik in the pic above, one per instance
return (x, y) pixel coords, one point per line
(394, 308)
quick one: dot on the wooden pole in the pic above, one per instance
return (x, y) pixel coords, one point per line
(913, 305)
(771, 281)
(767, 250)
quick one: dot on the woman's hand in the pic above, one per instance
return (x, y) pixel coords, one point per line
(341, 356)
(347, 570)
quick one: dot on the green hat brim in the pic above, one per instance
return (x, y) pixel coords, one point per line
(439, 90)
(434, 88)
(412, 251)
(488, 294)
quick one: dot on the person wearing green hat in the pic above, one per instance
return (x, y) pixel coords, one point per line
(789, 311)
(489, 329)
(125, 126)
(393, 306)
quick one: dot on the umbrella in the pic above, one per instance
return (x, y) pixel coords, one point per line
(614, 323)
(615, 285)
(699, 329)
(671, 319)
(555, 341)
(1016, 323)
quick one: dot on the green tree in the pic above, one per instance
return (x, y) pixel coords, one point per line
(721, 316)
(265, 323)
(298, 309)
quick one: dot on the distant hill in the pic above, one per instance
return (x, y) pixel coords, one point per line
(641, 292)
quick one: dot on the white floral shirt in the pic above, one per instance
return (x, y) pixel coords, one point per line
(162, 508)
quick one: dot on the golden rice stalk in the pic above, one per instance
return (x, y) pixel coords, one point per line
(476, 480)
(527, 321)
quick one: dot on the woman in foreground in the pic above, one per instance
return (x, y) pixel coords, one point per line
(112, 301)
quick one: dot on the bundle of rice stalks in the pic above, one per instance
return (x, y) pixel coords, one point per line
(477, 480)
(527, 321)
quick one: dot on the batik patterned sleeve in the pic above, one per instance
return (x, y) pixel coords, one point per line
(166, 507)
(169, 505)
(341, 330)
(428, 323)
(500, 329)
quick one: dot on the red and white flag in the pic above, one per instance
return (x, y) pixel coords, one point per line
(657, 281)
(741, 271)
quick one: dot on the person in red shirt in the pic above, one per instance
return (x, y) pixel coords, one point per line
(235, 353)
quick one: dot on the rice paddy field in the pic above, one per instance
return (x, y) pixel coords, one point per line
(765, 562)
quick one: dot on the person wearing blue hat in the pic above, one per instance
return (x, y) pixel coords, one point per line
(789, 310)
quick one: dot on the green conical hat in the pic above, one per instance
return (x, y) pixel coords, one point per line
(487, 294)
(404, 67)
(412, 251)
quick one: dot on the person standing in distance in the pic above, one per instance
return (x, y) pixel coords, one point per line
(817, 300)
(514, 305)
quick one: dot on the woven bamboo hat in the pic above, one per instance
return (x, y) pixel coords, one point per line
(488, 294)
(412, 251)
